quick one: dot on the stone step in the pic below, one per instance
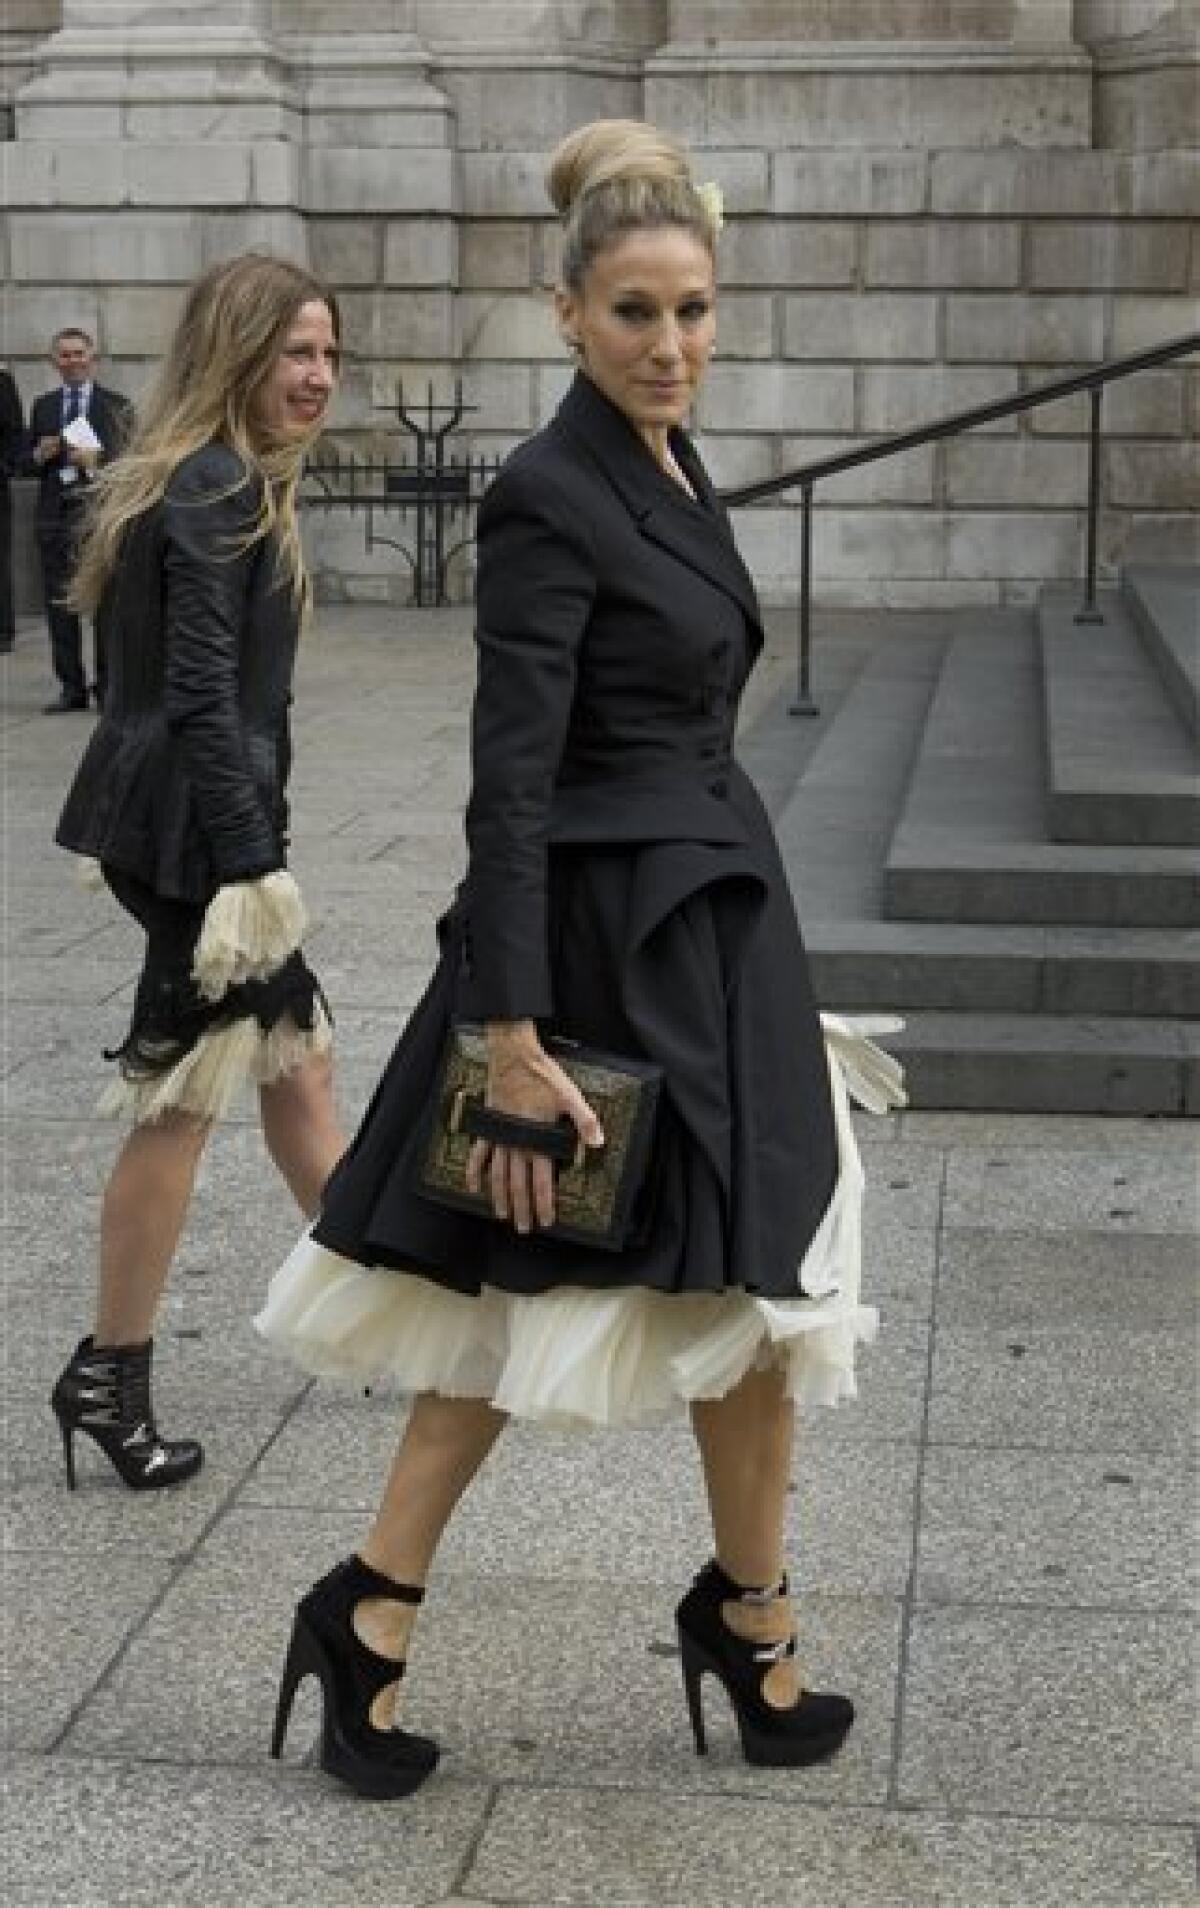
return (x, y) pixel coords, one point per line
(1165, 602)
(775, 746)
(1120, 767)
(970, 844)
(1131, 972)
(1020, 1016)
(834, 830)
(1038, 1063)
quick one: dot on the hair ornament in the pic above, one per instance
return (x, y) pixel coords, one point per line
(712, 199)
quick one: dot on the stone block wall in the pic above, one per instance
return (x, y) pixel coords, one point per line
(930, 204)
(869, 292)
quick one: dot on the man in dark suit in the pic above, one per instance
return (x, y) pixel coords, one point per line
(12, 456)
(65, 469)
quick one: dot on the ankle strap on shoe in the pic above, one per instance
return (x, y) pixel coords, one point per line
(730, 1591)
(365, 1581)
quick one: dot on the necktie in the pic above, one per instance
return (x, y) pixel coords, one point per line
(72, 408)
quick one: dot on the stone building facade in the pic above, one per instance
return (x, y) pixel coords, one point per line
(930, 203)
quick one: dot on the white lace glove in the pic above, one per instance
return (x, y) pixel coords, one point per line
(248, 932)
(874, 1078)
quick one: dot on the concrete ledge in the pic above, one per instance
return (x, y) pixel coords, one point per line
(926, 102)
(969, 844)
(1135, 973)
(1120, 768)
(1035, 1063)
(1166, 606)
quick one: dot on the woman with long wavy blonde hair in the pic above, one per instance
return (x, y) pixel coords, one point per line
(192, 555)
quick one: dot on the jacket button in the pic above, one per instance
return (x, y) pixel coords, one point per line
(719, 786)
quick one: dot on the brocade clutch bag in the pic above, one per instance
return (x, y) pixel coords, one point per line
(597, 1188)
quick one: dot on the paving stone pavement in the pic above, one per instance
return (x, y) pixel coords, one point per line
(993, 1544)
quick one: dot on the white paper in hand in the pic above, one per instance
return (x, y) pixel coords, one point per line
(80, 434)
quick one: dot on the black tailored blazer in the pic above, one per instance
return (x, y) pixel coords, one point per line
(183, 782)
(616, 626)
(109, 415)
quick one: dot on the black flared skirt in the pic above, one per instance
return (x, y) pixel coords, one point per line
(687, 953)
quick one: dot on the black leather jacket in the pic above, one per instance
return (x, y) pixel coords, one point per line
(182, 784)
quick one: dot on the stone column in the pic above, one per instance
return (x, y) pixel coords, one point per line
(1147, 63)
(521, 73)
(380, 189)
(23, 23)
(159, 70)
(151, 140)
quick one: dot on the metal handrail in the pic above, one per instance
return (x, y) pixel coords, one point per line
(808, 475)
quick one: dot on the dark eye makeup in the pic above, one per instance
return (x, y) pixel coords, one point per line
(640, 311)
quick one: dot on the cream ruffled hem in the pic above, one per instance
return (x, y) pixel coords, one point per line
(249, 930)
(582, 1358)
(210, 1074)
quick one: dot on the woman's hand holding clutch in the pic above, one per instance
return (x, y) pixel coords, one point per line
(525, 1083)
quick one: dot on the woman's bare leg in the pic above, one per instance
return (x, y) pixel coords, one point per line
(301, 1130)
(443, 1446)
(145, 1204)
(745, 1441)
(150, 1187)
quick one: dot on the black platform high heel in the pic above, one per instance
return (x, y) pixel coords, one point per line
(806, 1731)
(105, 1392)
(380, 1763)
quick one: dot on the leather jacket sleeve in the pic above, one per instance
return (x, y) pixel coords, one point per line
(208, 510)
(537, 579)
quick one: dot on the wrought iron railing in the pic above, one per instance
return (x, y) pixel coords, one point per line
(808, 476)
(434, 490)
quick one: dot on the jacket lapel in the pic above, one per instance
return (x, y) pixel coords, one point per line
(703, 541)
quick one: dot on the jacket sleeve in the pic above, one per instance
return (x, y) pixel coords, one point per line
(208, 510)
(536, 583)
(12, 427)
(37, 428)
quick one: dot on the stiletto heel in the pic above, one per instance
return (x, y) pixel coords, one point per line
(68, 1443)
(812, 1727)
(304, 1658)
(694, 1666)
(105, 1392)
(380, 1763)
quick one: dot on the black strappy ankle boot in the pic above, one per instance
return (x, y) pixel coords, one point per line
(380, 1763)
(812, 1728)
(105, 1391)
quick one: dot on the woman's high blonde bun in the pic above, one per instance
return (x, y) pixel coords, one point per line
(612, 149)
(617, 176)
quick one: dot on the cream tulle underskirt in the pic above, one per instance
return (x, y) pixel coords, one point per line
(579, 1357)
(206, 1080)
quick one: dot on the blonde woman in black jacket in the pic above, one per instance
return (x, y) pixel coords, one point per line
(624, 891)
(193, 558)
